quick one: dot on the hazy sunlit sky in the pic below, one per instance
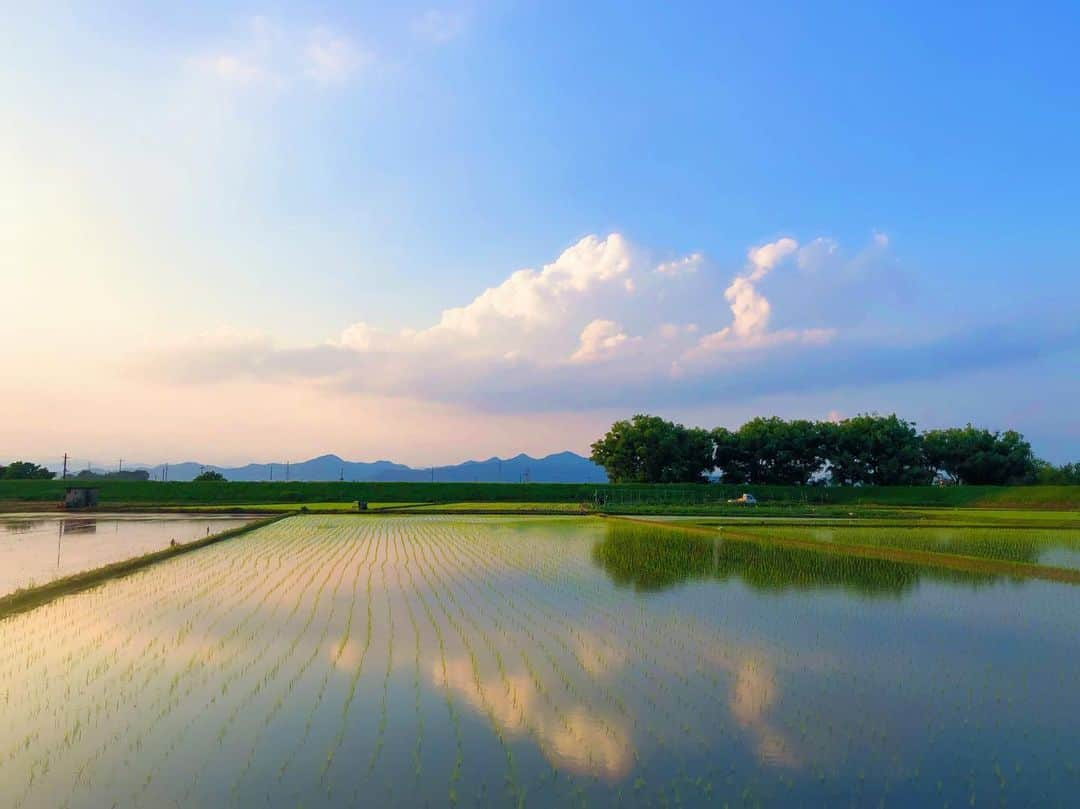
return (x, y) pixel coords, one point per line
(429, 232)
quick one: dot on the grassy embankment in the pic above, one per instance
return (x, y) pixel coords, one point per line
(683, 499)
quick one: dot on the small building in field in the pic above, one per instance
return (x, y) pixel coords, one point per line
(81, 497)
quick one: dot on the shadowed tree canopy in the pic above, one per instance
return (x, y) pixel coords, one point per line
(648, 449)
(770, 450)
(976, 456)
(24, 470)
(876, 451)
(1047, 474)
(209, 475)
(865, 450)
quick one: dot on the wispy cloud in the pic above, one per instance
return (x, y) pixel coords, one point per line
(273, 55)
(331, 57)
(439, 25)
(682, 266)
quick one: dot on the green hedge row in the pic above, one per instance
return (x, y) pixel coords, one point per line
(153, 493)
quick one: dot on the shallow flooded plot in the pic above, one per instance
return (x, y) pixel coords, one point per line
(37, 548)
(328, 661)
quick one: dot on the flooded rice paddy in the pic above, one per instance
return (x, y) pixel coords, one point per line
(338, 661)
(38, 548)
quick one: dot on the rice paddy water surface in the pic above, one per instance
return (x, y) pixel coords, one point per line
(336, 660)
(38, 548)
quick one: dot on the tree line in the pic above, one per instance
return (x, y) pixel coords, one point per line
(867, 449)
(24, 470)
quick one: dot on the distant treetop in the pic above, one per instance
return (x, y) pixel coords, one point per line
(868, 449)
(24, 470)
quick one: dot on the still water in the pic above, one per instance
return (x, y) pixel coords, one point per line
(337, 661)
(37, 548)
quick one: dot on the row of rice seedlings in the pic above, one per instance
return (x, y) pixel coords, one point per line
(548, 619)
(346, 635)
(341, 555)
(217, 683)
(575, 700)
(559, 591)
(354, 680)
(452, 712)
(417, 709)
(42, 747)
(447, 607)
(351, 550)
(380, 734)
(202, 667)
(273, 672)
(61, 621)
(77, 602)
(139, 688)
(551, 589)
(687, 729)
(223, 663)
(539, 619)
(54, 637)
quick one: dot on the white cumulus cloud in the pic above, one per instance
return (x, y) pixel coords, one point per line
(597, 320)
(600, 340)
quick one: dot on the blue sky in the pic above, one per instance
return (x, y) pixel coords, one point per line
(211, 199)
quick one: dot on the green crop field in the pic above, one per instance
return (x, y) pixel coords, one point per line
(1052, 547)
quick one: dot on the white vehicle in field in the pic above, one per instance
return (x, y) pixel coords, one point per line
(745, 500)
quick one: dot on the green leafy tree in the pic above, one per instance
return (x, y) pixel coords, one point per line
(977, 456)
(1047, 474)
(730, 456)
(648, 449)
(780, 452)
(24, 470)
(209, 475)
(875, 450)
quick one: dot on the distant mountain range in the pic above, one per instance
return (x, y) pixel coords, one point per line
(562, 467)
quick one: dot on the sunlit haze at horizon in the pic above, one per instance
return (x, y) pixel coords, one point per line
(434, 232)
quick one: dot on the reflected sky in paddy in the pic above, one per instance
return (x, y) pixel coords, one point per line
(480, 660)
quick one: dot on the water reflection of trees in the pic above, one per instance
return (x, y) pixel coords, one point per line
(80, 526)
(651, 558)
(22, 526)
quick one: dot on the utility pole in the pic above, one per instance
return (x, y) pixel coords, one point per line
(64, 475)
(120, 466)
(287, 471)
(166, 473)
(433, 474)
(271, 471)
